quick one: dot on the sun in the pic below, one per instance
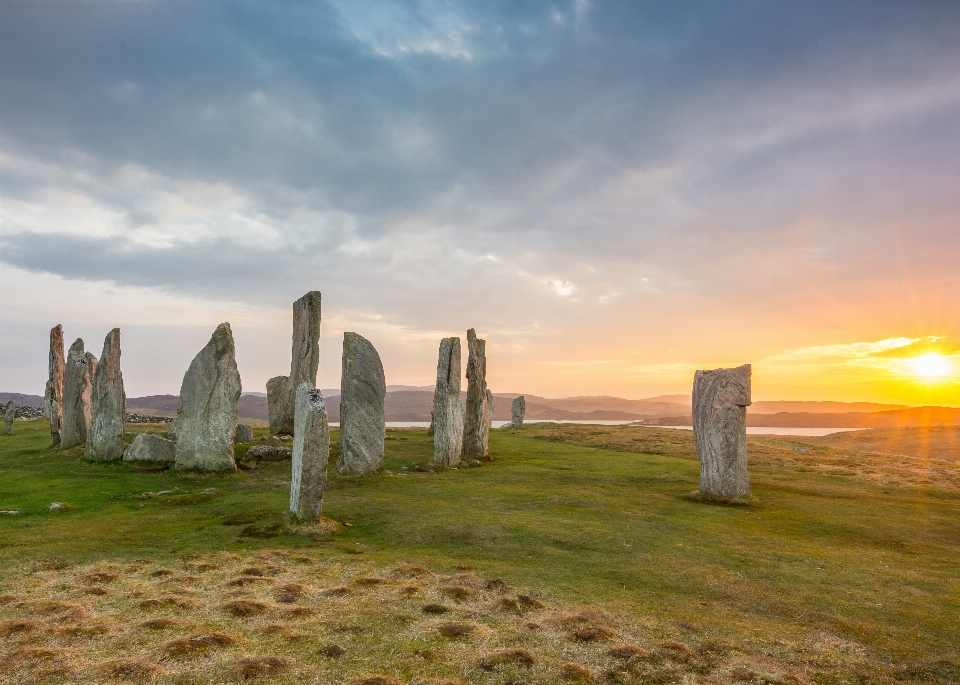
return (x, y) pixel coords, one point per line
(931, 366)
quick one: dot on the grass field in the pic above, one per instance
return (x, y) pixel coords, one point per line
(575, 556)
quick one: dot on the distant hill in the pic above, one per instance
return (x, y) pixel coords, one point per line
(21, 399)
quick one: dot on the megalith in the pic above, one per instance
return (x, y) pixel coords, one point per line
(77, 388)
(107, 404)
(53, 392)
(243, 433)
(491, 403)
(362, 391)
(207, 410)
(151, 449)
(475, 427)
(517, 410)
(305, 359)
(311, 449)
(720, 401)
(9, 414)
(447, 413)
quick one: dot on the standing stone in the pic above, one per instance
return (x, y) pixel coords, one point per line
(152, 449)
(475, 429)
(362, 390)
(243, 433)
(108, 404)
(9, 415)
(53, 392)
(311, 449)
(77, 387)
(281, 390)
(720, 401)
(207, 410)
(491, 403)
(517, 410)
(447, 414)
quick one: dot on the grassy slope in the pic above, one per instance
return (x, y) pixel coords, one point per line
(831, 577)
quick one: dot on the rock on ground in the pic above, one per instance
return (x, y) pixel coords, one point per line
(475, 430)
(9, 415)
(720, 401)
(259, 453)
(243, 433)
(305, 359)
(447, 414)
(311, 449)
(151, 448)
(77, 388)
(362, 390)
(53, 392)
(107, 404)
(207, 410)
(517, 410)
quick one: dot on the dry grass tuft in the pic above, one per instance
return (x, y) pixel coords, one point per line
(675, 647)
(167, 601)
(571, 670)
(529, 602)
(7, 599)
(244, 607)
(585, 626)
(132, 669)
(511, 655)
(377, 680)
(36, 654)
(435, 609)
(197, 644)
(160, 573)
(13, 627)
(455, 630)
(259, 666)
(96, 591)
(625, 652)
(411, 571)
(332, 651)
(100, 577)
(410, 590)
(253, 571)
(248, 580)
(285, 631)
(460, 593)
(496, 585)
(369, 582)
(289, 593)
(338, 591)
(298, 611)
(164, 623)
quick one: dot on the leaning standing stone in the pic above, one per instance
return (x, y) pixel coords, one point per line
(243, 433)
(517, 410)
(207, 410)
(475, 430)
(53, 392)
(447, 414)
(77, 387)
(305, 360)
(9, 415)
(311, 449)
(362, 391)
(108, 401)
(720, 401)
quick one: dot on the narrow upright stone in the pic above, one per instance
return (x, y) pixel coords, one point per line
(77, 387)
(207, 410)
(311, 449)
(305, 360)
(517, 410)
(243, 433)
(107, 404)
(475, 430)
(491, 404)
(9, 415)
(447, 414)
(53, 392)
(720, 401)
(362, 390)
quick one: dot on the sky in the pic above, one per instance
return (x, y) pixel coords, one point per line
(613, 194)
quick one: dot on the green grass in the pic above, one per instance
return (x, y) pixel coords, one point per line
(833, 577)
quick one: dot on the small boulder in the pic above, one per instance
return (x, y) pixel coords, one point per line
(151, 448)
(243, 433)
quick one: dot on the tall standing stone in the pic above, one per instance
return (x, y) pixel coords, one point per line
(53, 392)
(108, 404)
(475, 429)
(77, 388)
(362, 391)
(517, 411)
(720, 401)
(447, 421)
(311, 449)
(207, 410)
(8, 416)
(281, 390)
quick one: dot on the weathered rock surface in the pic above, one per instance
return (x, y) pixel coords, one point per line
(207, 410)
(53, 392)
(720, 401)
(311, 449)
(491, 403)
(107, 404)
(305, 359)
(243, 433)
(362, 389)
(475, 429)
(447, 421)
(151, 448)
(259, 453)
(517, 410)
(77, 388)
(9, 414)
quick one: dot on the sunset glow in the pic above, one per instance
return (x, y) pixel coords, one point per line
(931, 367)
